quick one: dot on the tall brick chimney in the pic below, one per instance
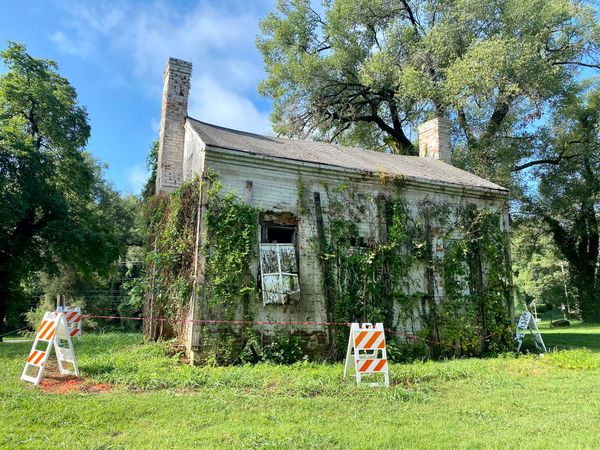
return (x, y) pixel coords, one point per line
(176, 87)
(434, 139)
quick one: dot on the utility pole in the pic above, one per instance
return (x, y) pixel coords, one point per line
(567, 311)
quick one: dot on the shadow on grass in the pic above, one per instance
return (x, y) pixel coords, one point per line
(573, 340)
(576, 336)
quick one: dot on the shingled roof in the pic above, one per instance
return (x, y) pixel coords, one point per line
(410, 167)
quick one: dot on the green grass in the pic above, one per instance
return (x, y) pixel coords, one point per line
(156, 402)
(577, 336)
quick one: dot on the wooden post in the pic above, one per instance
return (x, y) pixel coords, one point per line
(149, 324)
(199, 310)
(477, 279)
(385, 269)
(508, 262)
(324, 270)
(247, 275)
(479, 290)
(435, 334)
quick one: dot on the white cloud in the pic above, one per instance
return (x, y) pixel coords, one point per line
(137, 178)
(71, 46)
(210, 101)
(218, 40)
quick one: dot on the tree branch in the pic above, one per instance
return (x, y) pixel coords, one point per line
(501, 110)
(554, 161)
(537, 162)
(575, 63)
(411, 16)
(462, 121)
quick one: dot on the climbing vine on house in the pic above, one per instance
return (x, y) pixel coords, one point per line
(172, 234)
(474, 316)
(367, 276)
(229, 246)
(434, 269)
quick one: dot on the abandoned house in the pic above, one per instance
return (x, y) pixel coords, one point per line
(345, 234)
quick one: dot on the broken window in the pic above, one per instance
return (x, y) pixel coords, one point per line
(279, 272)
(276, 233)
(278, 259)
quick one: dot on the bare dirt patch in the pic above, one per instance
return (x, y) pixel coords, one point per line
(55, 383)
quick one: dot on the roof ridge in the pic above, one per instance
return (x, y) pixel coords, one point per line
(338, 155)
(294, 140)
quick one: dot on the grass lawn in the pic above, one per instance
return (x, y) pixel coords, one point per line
(138, 396)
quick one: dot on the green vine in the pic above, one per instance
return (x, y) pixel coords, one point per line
(172, 231)
(437, 271)
(369, 277)
(229, 248)
(232, 228)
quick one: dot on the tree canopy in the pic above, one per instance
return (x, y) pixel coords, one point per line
(566, 203)
(512, 76)
(364, 72)
(55, 207)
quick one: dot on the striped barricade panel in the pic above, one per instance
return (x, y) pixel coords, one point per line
(369, 340)
(47, 329)
(366, 345)
(73, 318)
(52, 331)
(372, 366)
(37, 358)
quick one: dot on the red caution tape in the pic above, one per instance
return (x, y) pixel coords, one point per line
(408, 336)
(207, 321)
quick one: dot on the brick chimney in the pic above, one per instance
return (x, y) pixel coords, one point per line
(176, 87)
(434, 139)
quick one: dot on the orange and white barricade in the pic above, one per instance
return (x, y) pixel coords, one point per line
(52, 333)
(73, 318)
(367, 352)
(527, 322)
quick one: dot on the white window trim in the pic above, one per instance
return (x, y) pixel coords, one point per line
(279, 273)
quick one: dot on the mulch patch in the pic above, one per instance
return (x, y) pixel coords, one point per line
(55, 383)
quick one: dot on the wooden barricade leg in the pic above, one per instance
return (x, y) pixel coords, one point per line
(537, 336)
(349, 359)
(41, 349)
(65, 355)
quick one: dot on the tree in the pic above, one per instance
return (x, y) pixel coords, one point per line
(151, 163)
(541, 273)
(567, 199)
(364, 72)
(55, 208)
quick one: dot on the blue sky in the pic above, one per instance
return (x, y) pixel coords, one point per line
(114, 53)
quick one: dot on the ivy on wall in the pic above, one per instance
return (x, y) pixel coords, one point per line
(170, 258)
(474, 315)
(229, 248)
(392, 274)
(368, 275)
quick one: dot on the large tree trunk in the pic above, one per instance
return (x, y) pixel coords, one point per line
(580, 246)
(4, 295)
(586, 284)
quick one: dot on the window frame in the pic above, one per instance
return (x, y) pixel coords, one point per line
(282, 296)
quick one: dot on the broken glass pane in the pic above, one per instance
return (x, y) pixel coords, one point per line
(271, 289)
(288, 259)
(268, 256)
